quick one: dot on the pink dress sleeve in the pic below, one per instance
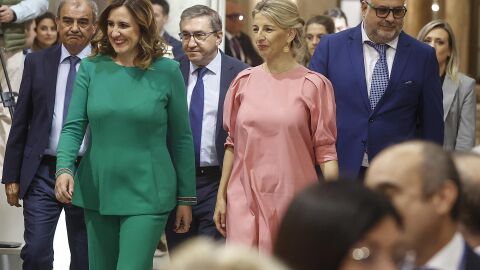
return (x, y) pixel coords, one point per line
(232, 104)
(321, 101)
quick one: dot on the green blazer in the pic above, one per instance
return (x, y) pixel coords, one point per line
(128, 168)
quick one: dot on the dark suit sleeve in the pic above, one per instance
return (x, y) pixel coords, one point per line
(319, 60)
(430, 111)
(20, 126)
(180, 139)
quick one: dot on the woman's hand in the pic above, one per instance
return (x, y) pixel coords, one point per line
(219, 214)
(183, 218)
(64, 188)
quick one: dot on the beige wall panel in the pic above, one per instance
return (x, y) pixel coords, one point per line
(457, 13)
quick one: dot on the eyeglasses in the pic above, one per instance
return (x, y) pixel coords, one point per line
(383, 12)
(198, 36)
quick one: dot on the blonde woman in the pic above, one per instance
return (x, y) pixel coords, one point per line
(280, 119)
(459, 99)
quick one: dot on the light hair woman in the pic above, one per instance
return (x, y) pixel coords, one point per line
(459, 98)
(280, 119)
(205, 254)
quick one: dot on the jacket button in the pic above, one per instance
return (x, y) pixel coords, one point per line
(371, 120)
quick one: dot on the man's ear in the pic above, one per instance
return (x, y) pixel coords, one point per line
(445, 198)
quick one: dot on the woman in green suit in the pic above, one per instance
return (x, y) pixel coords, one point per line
(140, 161)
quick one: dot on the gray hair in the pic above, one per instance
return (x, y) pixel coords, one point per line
(452, 61)
(200, 11)
(93, 5)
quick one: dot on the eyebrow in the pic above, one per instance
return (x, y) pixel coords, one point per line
(387, 187)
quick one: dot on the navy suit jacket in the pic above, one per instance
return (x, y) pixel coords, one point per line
(176, 45)
(229, 70)
(32, 122)
(410, 108)
(472, 260)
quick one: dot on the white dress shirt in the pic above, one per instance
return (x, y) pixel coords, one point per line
(57, 120)
(29, 9)
(450, 257)
(211, 83)
(370, 58)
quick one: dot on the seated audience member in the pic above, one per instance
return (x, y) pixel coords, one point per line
(315, 28)
(237, 43)
(204, 254)
(46, 32)
(459, 97)
(423, 183)
(340, 225)
(468, 166)
(338, 17)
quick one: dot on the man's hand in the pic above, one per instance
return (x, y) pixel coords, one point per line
(6, 14)
(64, 188)
(183, 218)
(12, 190)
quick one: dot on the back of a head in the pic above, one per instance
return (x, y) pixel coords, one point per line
(468, 166)
(205, 254)
(325, 221)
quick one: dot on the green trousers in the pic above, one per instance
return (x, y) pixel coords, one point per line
(123, 242)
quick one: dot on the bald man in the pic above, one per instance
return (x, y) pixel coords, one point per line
(424, 186)
(468, 166)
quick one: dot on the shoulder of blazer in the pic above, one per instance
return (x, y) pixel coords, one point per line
(472, 259)
(229, 62)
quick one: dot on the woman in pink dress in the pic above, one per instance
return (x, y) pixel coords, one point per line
(280, 118)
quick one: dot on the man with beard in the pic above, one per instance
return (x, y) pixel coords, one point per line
(386, 83)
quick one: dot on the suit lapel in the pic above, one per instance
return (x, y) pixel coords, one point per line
(355, 47)
(185, 69)
(51, 65)
(225, 79)
(449, 91)
(399, 63)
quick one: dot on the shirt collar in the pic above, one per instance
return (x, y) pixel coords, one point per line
(450, 256)
(228, 35)
(214, 66)
(392, 44)
(84, 53)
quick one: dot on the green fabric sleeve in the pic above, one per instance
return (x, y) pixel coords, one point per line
(180, 139)
(76, 123)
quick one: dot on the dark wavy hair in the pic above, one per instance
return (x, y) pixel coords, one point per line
(46, 15)
(150, 46)
(324, 222)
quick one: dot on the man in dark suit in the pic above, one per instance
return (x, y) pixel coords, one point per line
(237, 43)
(161, 8)
(208, 74)
(29, 168)
(424, 185)
(386, 83)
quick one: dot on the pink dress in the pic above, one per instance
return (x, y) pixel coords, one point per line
(280, 125)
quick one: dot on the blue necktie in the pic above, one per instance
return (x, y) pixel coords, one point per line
(380, 74)
(72, 73)
(196, 112)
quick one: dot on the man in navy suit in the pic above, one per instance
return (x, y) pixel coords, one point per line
(208, 71)
(386, 83)
(424, 185)
(161, 8)
(30, 159)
